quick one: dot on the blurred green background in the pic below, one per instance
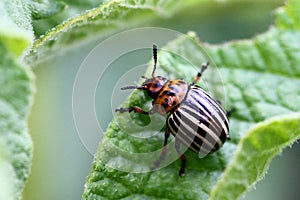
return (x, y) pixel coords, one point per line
(61, 163)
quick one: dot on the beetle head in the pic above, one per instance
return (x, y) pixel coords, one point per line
(151, 85)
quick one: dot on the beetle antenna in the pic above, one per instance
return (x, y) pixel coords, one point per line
(155, 59)
(204, 67)
(132, 87)
(129, 87)
(198, 76)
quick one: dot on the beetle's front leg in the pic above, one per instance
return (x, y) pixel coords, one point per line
(130, 109)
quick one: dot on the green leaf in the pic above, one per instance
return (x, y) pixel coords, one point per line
(260, 78)
(45, 8)
(62, 11)
(7, 176)
(16, 81)
(101, 21)
(288, 17)
(16, 94)
(254, 154)
(15, 28)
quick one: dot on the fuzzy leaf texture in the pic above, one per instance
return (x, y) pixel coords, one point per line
(16, 32)
(41, 9)
(99, 22)
(16, 94)
(260, 78)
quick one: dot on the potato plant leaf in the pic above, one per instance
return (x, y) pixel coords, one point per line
(16, 94)
(16, 81)
(258, 77)
(16, 32)
(101, 21)
(41, 9)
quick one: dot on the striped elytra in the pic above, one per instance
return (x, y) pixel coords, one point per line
(199, 122)
(195, 119)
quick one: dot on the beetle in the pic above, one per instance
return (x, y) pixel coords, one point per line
(193, 116)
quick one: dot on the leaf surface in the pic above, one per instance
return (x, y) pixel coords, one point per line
(15, 28)
(258, 77)
(99, 22)
(16, 95)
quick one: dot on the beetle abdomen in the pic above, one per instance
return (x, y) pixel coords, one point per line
(199, 122)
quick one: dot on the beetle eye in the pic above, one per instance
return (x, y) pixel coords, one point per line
(144, 86)
(157, 84)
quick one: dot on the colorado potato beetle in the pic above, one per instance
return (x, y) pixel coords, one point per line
(193, 116)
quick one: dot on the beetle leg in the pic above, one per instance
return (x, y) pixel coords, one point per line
(182, 157)
(229, 112)
(164, 150)
(198, 76)
(133, 108)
